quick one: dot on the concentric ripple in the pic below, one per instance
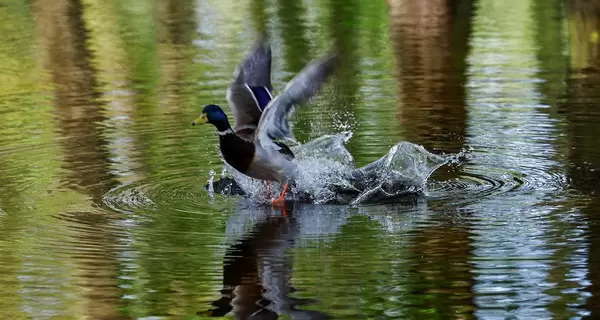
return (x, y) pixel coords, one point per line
(470, 184)
(183, 193)
(476, 176)
(479, 176)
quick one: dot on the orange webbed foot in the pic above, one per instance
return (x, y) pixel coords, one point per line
(281, 200)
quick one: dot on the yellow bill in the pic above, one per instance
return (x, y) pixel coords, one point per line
(201, 119)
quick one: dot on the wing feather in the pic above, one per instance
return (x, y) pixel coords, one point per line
(274, 122)
(251, 85)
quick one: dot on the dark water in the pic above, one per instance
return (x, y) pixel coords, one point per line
(103, 214)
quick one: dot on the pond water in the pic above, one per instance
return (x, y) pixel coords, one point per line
(103, 211)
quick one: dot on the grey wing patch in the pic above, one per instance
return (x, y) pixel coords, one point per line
(243, 106)
(253, 71)
(274, 122)
(255, 68)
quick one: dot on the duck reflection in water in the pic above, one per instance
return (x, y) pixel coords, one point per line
(256, 272)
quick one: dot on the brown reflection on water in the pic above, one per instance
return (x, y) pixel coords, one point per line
(64, 36)
(62, 33)
(257, 272)
(583, 93)
(177, 21)
(430, 40)
(177, 24)
(583, 117)
(584, 24)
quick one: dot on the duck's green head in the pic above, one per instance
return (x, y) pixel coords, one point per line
(214, 115)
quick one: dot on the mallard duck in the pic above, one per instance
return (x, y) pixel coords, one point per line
(251, 147)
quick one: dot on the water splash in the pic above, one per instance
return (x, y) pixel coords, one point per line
(403, 171)
(211, 181)
(328, 174)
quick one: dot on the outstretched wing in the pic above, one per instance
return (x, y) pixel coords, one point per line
(274, 121)
(250, 91)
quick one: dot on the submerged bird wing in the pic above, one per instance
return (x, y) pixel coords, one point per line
(250, 91)
(274, 123)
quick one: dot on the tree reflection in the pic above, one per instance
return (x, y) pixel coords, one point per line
(64, 36)
(257, 8)
(61, 27)
(344, 26)
(430, 39)
(583, 117)
(551, 50)
(176, 26)
(296, 48)
(584, 22)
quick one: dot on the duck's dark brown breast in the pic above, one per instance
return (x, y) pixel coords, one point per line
(237, 152)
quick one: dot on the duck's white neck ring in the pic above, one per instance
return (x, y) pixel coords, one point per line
(225, 132)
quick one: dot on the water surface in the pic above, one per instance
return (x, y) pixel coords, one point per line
(103, 211)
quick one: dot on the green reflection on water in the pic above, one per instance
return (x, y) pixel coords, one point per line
(99, 94)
